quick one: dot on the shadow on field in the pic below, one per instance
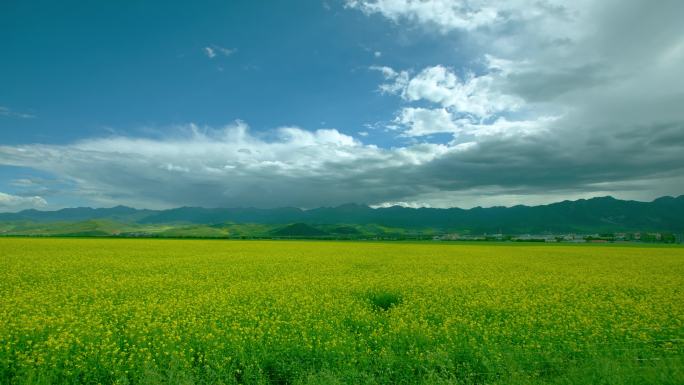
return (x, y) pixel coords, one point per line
(383, 300)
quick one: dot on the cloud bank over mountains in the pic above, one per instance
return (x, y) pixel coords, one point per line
(562, 100)
(12, 203)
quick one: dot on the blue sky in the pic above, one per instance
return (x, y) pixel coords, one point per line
(91, 69)
(420, 103)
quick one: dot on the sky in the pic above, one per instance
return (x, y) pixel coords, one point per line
(420, 103)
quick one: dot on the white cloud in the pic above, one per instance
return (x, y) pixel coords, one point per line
(423, 121)
(503, 127)
(567, 89)
(446, 14)
(387, 72)
(475, 95)
(11, 203)
(209, 52)
(553, 18)
(214, 50)
(222, 167)
(575, 72)
(399, 79)
(476, 105)
(413, 205)
(7, 112)
(290, 166)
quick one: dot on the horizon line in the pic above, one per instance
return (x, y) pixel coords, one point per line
(377, 207)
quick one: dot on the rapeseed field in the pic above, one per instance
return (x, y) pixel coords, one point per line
(94, 311)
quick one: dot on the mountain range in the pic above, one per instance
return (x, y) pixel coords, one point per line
(602, 214)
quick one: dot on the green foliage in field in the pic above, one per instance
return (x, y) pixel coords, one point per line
(106, 228)
(383, 300)
(246, 312)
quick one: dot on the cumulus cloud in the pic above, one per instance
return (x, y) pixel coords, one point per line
(476, 105)
(571, 84)
(423, 121)
(579, 57)
(474, 95)
(446, 14)
(232, 166)
(481, 16)
(226, 167)
(11, 203)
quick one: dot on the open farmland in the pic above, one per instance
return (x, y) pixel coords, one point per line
(168, 311)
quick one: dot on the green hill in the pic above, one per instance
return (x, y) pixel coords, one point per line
(299, 230)
(596, 215)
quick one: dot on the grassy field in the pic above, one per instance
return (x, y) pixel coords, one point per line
(208, 312)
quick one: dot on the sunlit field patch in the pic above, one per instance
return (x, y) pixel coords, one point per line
(210, 312)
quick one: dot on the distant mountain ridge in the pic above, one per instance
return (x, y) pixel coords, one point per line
(603, 214)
